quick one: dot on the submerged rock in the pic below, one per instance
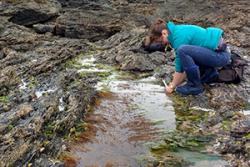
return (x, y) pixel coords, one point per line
(167, 160)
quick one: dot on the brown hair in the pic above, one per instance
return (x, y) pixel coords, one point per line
(155, 30)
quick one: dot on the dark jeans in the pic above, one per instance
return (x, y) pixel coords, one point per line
(192, 56)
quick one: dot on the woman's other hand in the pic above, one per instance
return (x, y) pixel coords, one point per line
(169, 88)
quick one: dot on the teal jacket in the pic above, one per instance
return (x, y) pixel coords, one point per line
(192, 35)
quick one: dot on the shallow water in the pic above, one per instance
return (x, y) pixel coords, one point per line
(247, 109)
(61, 106)
(201, 159)
(40, 93)
(130, 114)
(23, 85)
(135, 113)
(246, 112)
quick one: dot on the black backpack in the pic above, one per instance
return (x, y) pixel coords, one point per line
(233, 72)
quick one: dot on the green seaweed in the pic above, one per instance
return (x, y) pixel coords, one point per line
(10, 127)
(73, 63)
(75, 131)
(80, 126)
(187, 135)
(162, 147)
(100, 74)
(95, 48)
(32, 82)
(48, 130)
(246, 106)
(226, 124)
(158, 122)
(247, 136)
(4, 99)
(104, 66)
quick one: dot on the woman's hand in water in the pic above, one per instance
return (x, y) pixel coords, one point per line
(169, 88)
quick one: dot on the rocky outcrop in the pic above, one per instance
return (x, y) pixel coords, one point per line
(30, 12)
(44, 28)
(235, 143)
(87, 25)
(29, 17)
(124, 49)
(35, 126)
(99, 19)
(40, 101)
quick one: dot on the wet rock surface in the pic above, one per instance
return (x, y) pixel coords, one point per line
(41, 99)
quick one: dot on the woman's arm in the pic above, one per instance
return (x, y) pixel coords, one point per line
(178, 78)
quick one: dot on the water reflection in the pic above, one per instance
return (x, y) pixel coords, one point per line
(137, 112)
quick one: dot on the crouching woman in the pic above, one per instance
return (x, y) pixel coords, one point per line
(196, 49)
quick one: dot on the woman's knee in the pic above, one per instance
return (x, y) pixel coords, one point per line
(182, 50)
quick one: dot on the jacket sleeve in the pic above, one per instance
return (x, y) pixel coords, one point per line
(177, 43)
(178, 65)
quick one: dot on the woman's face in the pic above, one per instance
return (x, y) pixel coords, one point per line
(164, 36)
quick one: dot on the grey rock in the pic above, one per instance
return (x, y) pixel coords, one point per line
(29, 17)
(2, 55)
(31, 12)
(87, 4)
(42, 28)
(140, 62)
(241, 128)
(88, 25)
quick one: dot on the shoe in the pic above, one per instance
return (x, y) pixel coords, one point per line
(189, 89)
(193, 85)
